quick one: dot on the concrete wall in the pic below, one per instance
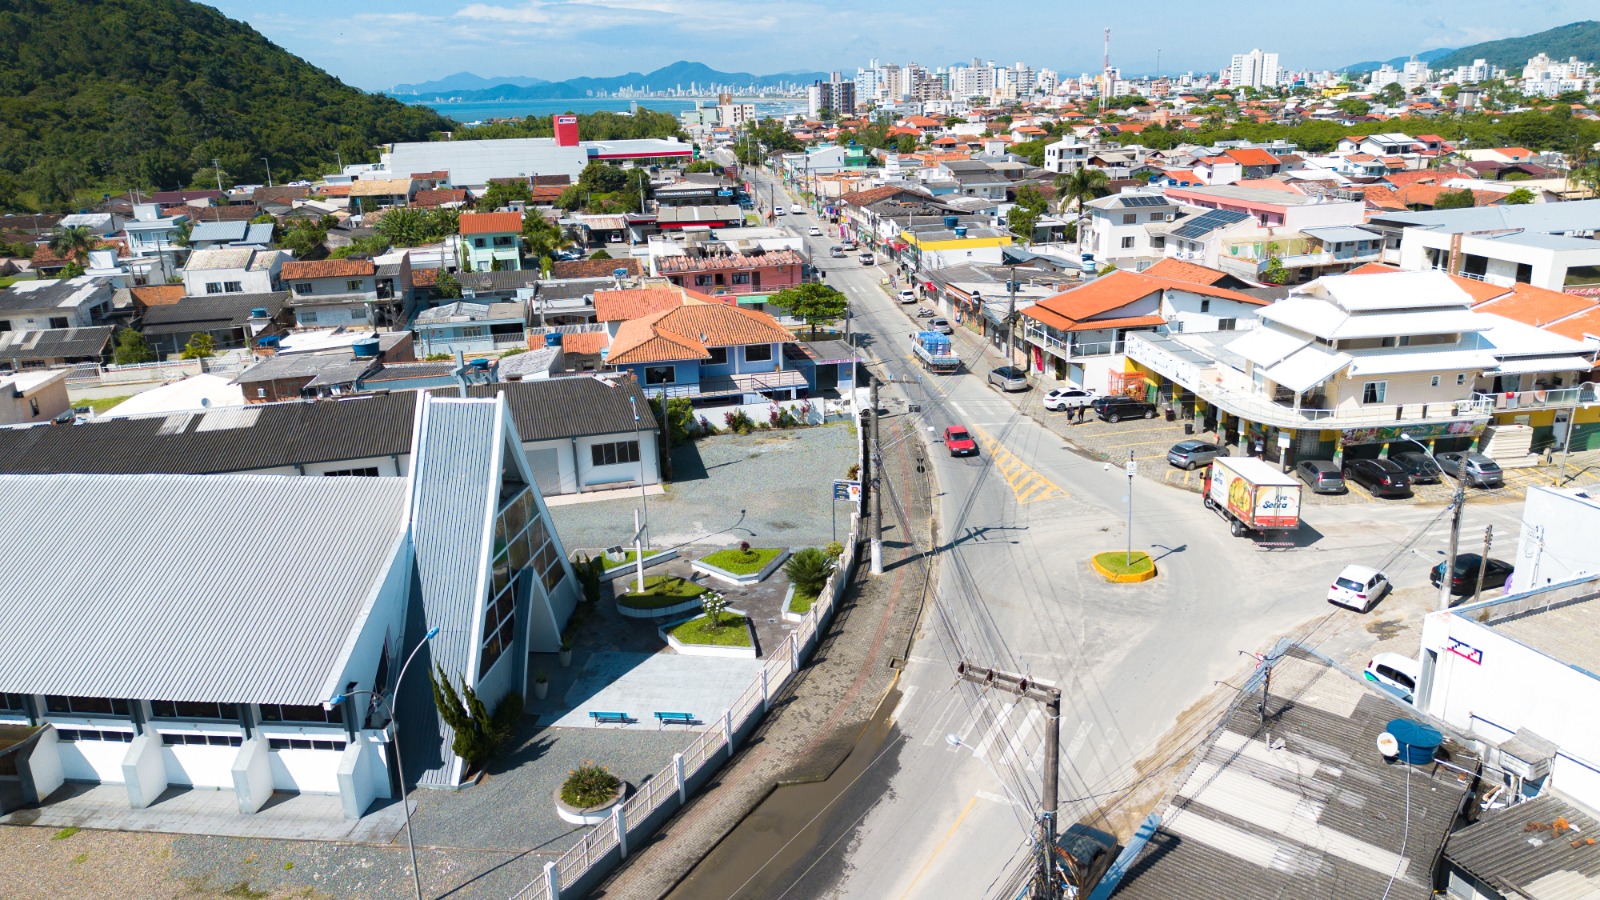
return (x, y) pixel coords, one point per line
(363, 777)
(1185, 309)
(94, 761)
(199, 766)
(50, 398)
(307, 771)
(252, 775)
(143, 770)
(1557, 543)
(1346, 393)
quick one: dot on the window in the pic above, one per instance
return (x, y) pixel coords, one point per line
(480, 243)
(1205, 306)
(354, 284)
(316, 715)
(90, 734)
(1158, 243)
(719, 356)
(741, 278)
(33, 405)
(1461, 379)
(62, 705)
(232, 287)
(1129, 218)
(702, 281)
(1158, 217)
(502, 241)
(1227, 324)
(59, 322)
(307, 317)
(213, 287)
(171, 709)
(170, 739)
(302, 288)
(1127, 243)
(303, 744)
(615, 454)
(1434, 381)
(499, 628)
(758, 353)
(363, 472)
(5, 324)
(14, 703)
(1374, 391)
(660, 375)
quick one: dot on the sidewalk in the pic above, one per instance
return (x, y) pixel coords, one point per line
(816, 721)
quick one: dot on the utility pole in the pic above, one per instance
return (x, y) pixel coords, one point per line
(1132, 468)
(1011, 316)
(268, 163)
(1048, 885)
(1483, 561)
(216, 167)
(1458, 505)
(876, 462)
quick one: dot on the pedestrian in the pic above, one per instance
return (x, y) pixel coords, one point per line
(1261, 447)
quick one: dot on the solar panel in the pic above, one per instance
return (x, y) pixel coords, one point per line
(1208, 222)
(1144, 201)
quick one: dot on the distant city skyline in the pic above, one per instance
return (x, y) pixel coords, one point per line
(414, 41)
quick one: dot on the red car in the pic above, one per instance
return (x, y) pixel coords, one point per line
(959, 441)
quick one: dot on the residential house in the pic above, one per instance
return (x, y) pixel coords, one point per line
(233, 270)
(231, 234)
(951, 243)
(353, 291)
(707, 352)
(490, 241)
(304, 364)
(1079, 335)
(1128, 230)
(52, 348)
(974, 178)
(717, 267)
(31, 398)
(463, 546)
(370, 194)
(1549, 245)
(42, 304)
(470, 327)
(233, 321)
(154, 242)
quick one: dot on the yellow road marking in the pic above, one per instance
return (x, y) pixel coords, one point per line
(1026, 484)
(1167, 441)
(940, 847)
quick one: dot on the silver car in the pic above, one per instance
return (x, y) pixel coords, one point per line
(1009, 378)
(1471, 468)
(1194, 454)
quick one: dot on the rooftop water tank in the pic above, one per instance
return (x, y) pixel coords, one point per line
(961, 231)
(479, 364)
(950, 221)
(258, 312)
(619, 273)
(1418, 742)
(270, 340)
(366, 348)
(552, 339)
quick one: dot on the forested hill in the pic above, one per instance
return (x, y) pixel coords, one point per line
(114, 94)
(1580, 39)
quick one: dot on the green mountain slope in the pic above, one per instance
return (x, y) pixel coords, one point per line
(1580, 39)
(115, 94)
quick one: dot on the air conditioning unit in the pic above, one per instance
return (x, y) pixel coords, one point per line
(1527, 755)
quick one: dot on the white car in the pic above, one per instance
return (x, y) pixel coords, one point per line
(780, 211)
(907, 295)
(1358, 588)
(797, 209)
(815, 231)
(1395, 673)
(1068, 398)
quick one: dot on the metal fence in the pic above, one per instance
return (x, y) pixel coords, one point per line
(631, 821)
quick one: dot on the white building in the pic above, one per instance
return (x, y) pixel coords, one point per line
(1254, 69)
(1557, 542)
(232, 270)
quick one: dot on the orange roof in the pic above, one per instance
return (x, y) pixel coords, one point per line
(634, 303)
(1178, 270)
(1513, 151)
(327, 268)
(685, 332)
(1252, 156)
(1383, 197)
(1373, 269)
(1536, 306)
(1578, 327)
(156, 294)
(585, 342)
(594, 268)
(1076, 309)
(491, 223)
(921, 121)
(1415, 176)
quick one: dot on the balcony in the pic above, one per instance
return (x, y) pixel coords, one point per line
(1579, 395)
(1052, 342)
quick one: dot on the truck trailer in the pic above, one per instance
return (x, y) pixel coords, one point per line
(933, 350)
(1252, 495)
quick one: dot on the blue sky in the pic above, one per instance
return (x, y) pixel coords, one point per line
(377, 44)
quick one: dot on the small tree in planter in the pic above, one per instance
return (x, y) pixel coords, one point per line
(589, 572)
(541, 686)
(714, 604)
(589, 786)
(808, 570)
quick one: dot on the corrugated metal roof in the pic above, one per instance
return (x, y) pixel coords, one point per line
(456, 486)
(1502, 851)
(218, 589)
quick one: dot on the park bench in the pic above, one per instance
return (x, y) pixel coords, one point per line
(674, 718)
(600, 718)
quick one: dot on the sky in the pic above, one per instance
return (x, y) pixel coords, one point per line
(375, 45)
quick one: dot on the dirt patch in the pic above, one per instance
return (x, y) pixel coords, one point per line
(1385, 629)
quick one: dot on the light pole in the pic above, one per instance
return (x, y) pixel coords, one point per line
(1131, 467)
(644, 500)
(268, 164)
(394, 740)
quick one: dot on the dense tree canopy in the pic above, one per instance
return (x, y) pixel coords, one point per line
(107, 95)
(596, 126)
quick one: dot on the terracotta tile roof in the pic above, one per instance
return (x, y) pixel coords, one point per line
(333, 190)
(424, 278)
(633, 303)
(431, 197)
(156, 294)
(1578, 327)
(440, 175)
(1417, 176)
(1536, 306)
(44, 256)
(1178, 270)
(594, 268)
(585, 343)
(1514, 152)
(1373, 268)
(381, 187)
(685, 332)
(1252, 157)
(327, 268)
(1428, 194)
(546, 193)
(1383, 197)
(676, 264)
(491, 223)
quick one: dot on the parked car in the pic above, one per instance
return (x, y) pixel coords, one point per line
(1115, 409)
(906, 295)
(1380, 476)
(779, 211)
(1194, 454)
(1009, 378)
(815, 231)
(1358, 588)
(1471, 468)
(1068, 398)
(1322, 476)
(941, 325)
(1092, 852)
(867, 259)
(1418, 465)
(1464, 578)
(959, 441)
(1396, 674)
(836, 252)
(848, 245)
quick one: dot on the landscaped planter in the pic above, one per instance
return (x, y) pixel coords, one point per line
(710, 649)
(688, 604)
(594, 815)
(652, 558)
(790, 615)
(717, 572)
(1112, 567)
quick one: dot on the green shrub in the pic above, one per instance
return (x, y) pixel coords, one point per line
(478, 735)
(589, 785)
(809, 569)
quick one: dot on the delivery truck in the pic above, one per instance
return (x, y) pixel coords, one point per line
(932, 349)
(1253, 496)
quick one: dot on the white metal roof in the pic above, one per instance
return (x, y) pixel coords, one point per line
(1401, 361)
(1266, 346)
(1307, 368)
(1325, 320)
(1532, 365)
(1509, 337)
(225, 588)
(1395, 291)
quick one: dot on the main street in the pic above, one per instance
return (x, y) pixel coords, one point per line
(1017, 525)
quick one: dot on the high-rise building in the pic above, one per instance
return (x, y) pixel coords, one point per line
(1254, 69)
(835, 95)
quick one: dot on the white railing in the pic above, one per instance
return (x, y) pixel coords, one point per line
(706, 753)
(1556, 397)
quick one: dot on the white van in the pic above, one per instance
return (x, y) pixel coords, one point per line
(797, 209)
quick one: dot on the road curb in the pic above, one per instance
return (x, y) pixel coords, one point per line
(1115, 578)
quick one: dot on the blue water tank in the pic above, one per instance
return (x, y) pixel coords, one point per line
(479, 364)
(366, 348)
(961, 231)
(258, 312)
(552, 339)
(1418, 742)
(619, 273)
(950, 221)
(270, 340)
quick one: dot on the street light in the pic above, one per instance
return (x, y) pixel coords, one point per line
(394, 739)
(644, 499)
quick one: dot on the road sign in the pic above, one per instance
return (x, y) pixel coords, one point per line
(847, 490)
(1132, 468)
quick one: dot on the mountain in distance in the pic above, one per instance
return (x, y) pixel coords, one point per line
(680, 74)
(1580, 39)
(464, 81)
(1427, 56)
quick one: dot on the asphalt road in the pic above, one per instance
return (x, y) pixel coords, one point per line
(1017, 526)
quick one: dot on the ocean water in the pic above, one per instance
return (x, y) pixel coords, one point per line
(468, 113)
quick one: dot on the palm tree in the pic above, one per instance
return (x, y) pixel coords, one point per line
(1080, 185)
(73, 243)
(545, 238)
(403, 227)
